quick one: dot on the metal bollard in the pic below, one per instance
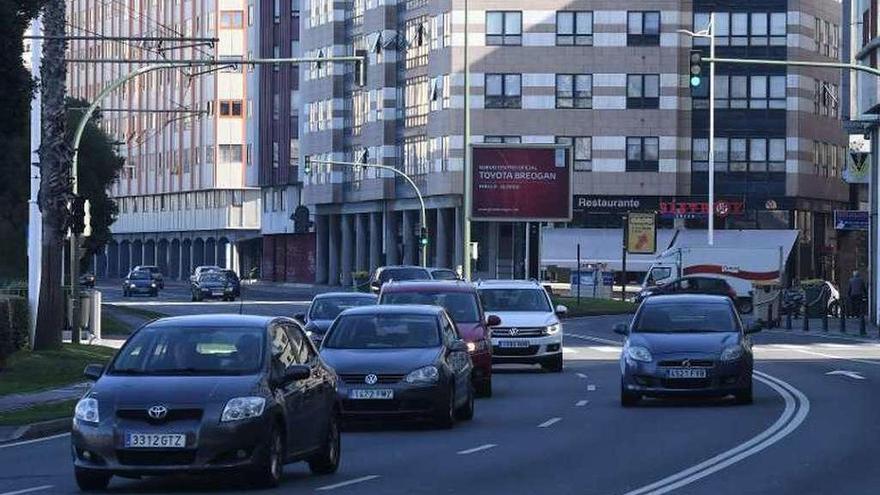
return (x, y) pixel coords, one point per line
(862, 330)
(842, 322)
(788, 321)
(825, 321)
(806, 319)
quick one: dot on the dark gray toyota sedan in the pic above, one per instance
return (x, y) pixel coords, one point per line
(208, 393)
(686, 345)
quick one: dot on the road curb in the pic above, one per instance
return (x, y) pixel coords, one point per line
(38, 430)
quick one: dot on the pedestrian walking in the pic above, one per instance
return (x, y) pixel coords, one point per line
(856, 293)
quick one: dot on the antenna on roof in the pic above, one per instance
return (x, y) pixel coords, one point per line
(240, 297)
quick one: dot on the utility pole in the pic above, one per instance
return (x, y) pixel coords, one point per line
(468, 164)
(54, 177)
(35, 221)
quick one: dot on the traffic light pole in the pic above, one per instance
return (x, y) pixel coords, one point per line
(711, 213)
(422, 241)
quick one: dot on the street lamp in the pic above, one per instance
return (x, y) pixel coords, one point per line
(468, 162)
(709, 33)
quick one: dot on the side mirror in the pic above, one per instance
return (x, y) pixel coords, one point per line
(754, 327)
(621, 329)
(493, 320)
(458, 346)
(561, 310)
(93, 371)
(300, 317)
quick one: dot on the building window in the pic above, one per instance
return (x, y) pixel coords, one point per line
(742, 29)
(503, 28)
(415, 155)
(276, 154)
(643, 91)
(747, 92)
(642, 154)
(502, 139)
(230, 108)
(417, 46)
(228, 153)
(643, 28)
(582, 147)
(231, 19)
(416, 94)
(574, 91)
(503, 91)
(574, 28)
(740, 155)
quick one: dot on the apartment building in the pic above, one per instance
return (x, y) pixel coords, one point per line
(188, 195)
(608, 78)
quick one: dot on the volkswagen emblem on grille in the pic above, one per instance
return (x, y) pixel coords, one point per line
(514, 331)
(371, 379)
(686, 363)
(157, 412)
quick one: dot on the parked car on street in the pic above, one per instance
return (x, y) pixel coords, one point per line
(212, 285)
(87, 280)
(686, 344)
(385, 274)
(139, 282)
(461, 301)
(155, 272)
(443, 274)
(400, 361)
(208, 394)
(326, 307)
(691, 285)
(530, 330)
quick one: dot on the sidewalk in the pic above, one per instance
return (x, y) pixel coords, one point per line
(852, 329)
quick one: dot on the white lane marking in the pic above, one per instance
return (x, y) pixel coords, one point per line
(797, 407)
(477, 449)
(581, 375)
(549, 422)
(581, 403)
(852, 374)
(594, 339)
(831, 356)
(28, 442)
(571, 350)
(605, 348)
(29, 490)
(591, 388)
(348, 483)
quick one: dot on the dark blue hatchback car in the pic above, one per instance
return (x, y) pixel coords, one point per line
(686, 345)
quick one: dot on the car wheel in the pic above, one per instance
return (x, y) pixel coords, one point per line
(744, 396)
(484, 388)
(268, 472)
(91, 480)
(446, 417)
(744, 305)
(327, 460)
(554, 364)
(627, 398)
(466, 412)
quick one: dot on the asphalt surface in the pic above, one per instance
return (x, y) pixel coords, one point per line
(808, 432)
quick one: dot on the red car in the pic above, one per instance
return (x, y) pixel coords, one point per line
(461, 301)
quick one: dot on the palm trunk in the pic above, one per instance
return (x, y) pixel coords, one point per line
(54, 178)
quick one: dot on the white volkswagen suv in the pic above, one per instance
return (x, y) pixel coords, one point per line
(530, 330)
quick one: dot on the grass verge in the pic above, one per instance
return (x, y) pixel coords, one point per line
(139, 312)
(30, 371)
(43, 412)
(595, 307)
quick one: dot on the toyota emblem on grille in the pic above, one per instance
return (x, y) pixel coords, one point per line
(686, 363)
(371, 379)
(157, 412)
(514, 331)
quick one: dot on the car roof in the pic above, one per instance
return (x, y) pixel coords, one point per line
(146, 267)
(428, 286)
(686, 299)
(417, 309)
(361, 295)
(213, 320)
(508, 284)
(388, 267)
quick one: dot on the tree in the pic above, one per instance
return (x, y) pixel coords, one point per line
(99, 168)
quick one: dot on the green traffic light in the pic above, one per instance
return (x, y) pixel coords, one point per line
(424, 241)
(695, 81)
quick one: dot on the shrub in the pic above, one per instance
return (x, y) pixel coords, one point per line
(14, 322)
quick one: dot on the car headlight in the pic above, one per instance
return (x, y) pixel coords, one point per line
(552, 329)
(639, 353)
(732, 353)
(478, 346)
(131, 286)
(228, 289)
(428, 374)
(153, 285)
(87, 410)
(243, 408)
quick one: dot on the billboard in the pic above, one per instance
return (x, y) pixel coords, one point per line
(516, 183)
(858, 163)
(641, 233)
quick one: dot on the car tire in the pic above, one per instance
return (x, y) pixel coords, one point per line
(484, 388)
(744, 396)
(627, 398)
(554, 364)
(327, 460)
(91, 480)
(268, 471)
(466, 412)
(445, 418)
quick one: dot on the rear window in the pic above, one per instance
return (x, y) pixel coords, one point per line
(690, 317)
(404, 274)
(461, 306)
(384, 331)
(515, 300)
(444, 275)
(712, 283)
(139, 275)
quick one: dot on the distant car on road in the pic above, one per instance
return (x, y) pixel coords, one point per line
(443, 274)
(155, 272)
(530, 330)
(87, 280)
(461, 301)
(326, 307)
(208, 394)
(212, 285)
(400, 361)
(691, 285)
(384, 274)
(205, 268)
(686, 345)
(139, 282)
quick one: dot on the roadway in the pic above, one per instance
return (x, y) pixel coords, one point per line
(808, 432)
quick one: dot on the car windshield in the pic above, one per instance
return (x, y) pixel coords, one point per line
(461, 306)
(514, 300)
(192, 350)
(212, 277)
(139, 275)
(404, 274)
(384, 331)
(328, 308)
(685, 318)
(444, 275)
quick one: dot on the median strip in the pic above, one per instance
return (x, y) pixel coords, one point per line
(581, 403)
(346, 483)
(477, 449)
(549, 422)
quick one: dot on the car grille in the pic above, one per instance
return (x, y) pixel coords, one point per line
(687, 383)
(692, 363)
(361, 377)
(156, 457)
(515, 351)
(520, 332)
(173, 415)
